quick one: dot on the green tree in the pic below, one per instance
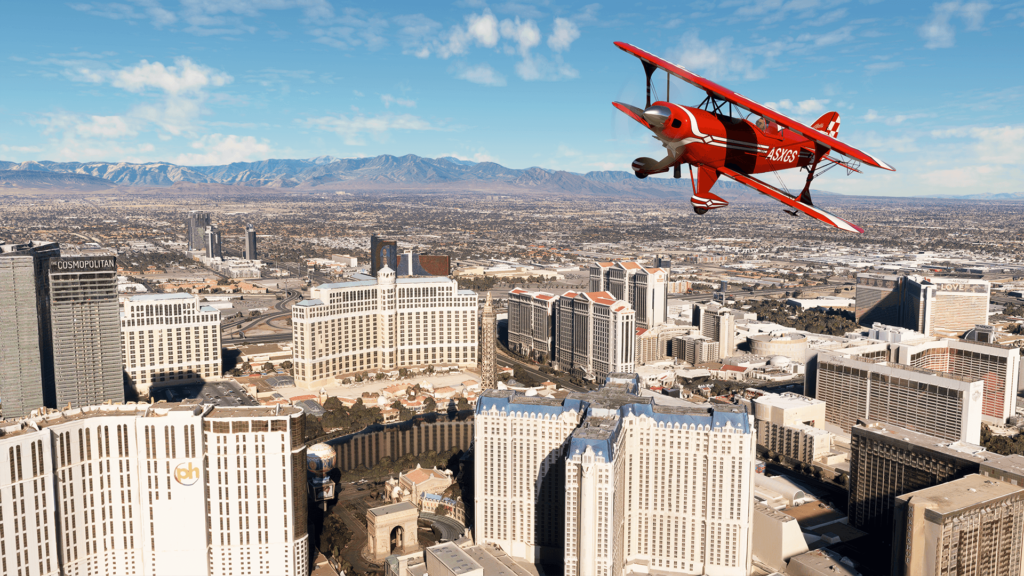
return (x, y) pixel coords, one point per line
(246, 367)
(429, 405)
(287, 364)
(268, 367)
(332, 404)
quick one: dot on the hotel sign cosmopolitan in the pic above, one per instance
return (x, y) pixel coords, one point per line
(84, 264)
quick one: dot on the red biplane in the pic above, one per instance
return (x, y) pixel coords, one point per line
(709, 138)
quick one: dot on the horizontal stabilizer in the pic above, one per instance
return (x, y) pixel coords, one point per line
(812, 211)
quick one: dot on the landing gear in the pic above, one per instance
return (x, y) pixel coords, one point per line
(700, 211)
(640, 175)
(677, 171)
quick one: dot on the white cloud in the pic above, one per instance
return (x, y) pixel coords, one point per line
(206, 17)
(483, 28)
(564, 34)
(876, 67)
(938, 32)
(184, 86)
(151, 9)
(215, 149)
(185, 77)
(811, 106)
(20, 149)
(996, 145)
(526, 34)
(352, 29)
(894, 120)
(481, 74)
(388, 100)
(106, 127)
(480, 29)
(537, 67)
(720, 61)
(355, 129)
(481, 156)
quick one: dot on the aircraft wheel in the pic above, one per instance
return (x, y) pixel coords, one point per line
(700, 210)
(640, 175)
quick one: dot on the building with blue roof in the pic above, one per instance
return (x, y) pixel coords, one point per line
(610, 482)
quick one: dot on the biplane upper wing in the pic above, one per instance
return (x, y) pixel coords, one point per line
(724, 93)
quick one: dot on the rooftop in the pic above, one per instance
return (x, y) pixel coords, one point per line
(152, 297)
(919, 441)
(961, 495)
(392, 509)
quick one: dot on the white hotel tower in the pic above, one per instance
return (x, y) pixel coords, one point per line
(383, 324)
(611, 483)
(154, 489)
(169, 339)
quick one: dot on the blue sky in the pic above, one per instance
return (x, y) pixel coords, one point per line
(935, 89)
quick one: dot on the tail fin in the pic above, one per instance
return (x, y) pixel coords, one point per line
(828, 123)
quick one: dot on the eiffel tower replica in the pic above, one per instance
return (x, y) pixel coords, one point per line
(488, 348)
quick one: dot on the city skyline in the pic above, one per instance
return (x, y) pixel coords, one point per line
(202, 85)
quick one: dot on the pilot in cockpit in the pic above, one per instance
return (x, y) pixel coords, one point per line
(768, 127)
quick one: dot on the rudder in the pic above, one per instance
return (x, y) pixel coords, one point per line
(828, 123)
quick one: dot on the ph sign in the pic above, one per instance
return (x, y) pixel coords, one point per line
(186, 474)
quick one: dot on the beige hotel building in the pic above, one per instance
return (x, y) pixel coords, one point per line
(385, 324)
(169, 339)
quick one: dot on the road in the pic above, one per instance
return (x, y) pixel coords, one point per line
(506, 361)
(268, 339)
(239, 326)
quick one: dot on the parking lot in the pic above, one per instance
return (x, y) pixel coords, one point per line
(221, 393)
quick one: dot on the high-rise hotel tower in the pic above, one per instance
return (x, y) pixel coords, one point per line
(155, 489)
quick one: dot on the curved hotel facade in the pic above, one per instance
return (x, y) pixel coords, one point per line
(386, 324)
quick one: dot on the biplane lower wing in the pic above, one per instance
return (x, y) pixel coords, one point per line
(812, 211)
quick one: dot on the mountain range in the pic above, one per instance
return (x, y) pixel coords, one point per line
(385, 173)
(381, 173)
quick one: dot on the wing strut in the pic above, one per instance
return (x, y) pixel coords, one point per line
(649, 70)
(805, 194)
(812, 211)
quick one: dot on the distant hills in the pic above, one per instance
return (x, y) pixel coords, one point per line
(381, 173)
(385, 173)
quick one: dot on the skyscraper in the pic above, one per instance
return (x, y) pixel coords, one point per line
(717, 323)
(646, 289)
(196, 222)
(931, 306)
(935, 403)
(488, 351)
(86, 330)
(180, 489)
(531, 324)
(971, 525)
(169, 339)
(997, 365)
(213, 245)
(887, 461)
(610, 483)
(596, 335)
(879, 298)
(26, 352)
(250, 243)
(383, 253)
